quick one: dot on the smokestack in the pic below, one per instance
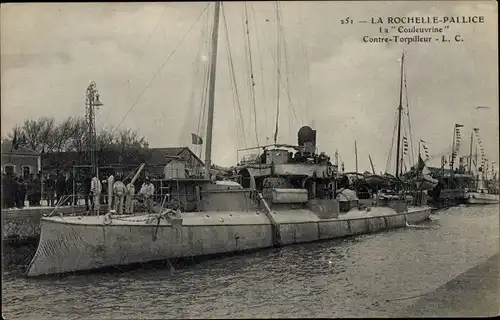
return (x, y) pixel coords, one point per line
(306, 137)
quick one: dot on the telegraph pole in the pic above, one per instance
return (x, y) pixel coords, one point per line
(91, 102)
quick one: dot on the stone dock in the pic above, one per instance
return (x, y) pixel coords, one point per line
(23, 225)
(21, 232)
(474, 293)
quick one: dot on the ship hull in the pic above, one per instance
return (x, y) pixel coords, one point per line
(481, 198)
(85, 243)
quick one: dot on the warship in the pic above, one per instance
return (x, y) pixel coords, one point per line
(289, 195)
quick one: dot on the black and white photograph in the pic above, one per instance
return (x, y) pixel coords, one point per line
(250, 159)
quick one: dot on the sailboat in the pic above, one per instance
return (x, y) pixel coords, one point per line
(286, 196)
(481, 193)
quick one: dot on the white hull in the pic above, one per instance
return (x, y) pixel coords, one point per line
(83, 243)
(481, 198)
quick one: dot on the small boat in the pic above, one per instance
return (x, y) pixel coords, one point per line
(481, 196)
(484, 190)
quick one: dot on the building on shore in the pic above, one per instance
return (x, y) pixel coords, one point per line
(21, 161)
(160, 162)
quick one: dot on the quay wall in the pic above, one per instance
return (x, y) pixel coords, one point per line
(21, 232)
(23, 225)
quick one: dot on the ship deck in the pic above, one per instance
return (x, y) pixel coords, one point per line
(227, 218)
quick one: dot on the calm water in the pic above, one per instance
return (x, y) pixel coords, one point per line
(363, 276)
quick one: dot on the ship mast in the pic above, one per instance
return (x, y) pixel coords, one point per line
(211, 92)
(356, 155)
(400, 110)
(470, 152)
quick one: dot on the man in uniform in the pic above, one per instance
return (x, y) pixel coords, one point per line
(119, 193)
(111, 181)
(104, 190)
(129, 199)
(148, 190)
(95, 189)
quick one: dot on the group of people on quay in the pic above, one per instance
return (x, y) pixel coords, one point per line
(62, 189)
(16, 190)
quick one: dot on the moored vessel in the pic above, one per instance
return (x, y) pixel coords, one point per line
(288, 195)
(481, 197)
(484, 190)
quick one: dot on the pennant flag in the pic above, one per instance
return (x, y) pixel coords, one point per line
(422, 141)
(458, 125)
(421, 164)
(423, 146)
(195, 139)
(476, 129)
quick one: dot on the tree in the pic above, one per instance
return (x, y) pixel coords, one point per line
(70, 134)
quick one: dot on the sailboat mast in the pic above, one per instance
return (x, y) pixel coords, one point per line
(400, 111)
(470, 153)
(356, 154)
(371, 164)
(211, 92)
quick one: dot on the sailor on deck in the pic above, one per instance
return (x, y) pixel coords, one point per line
(148, 190)
(111, 180)
(119, 192)
(96, 188)
(129, 199)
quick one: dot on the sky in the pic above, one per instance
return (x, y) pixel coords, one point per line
(329, 79)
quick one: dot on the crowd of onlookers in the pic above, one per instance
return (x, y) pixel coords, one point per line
(16, 190)
(63, 189)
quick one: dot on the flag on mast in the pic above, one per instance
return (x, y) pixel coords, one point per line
(196, 139)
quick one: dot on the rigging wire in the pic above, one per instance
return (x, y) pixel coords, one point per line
(191, 101)
(263, 85)
(309, 111)
(240, 127)
(287, 72)
(278, 62)
(252, 80)
(140, 59)
(159, 70)
(389, 156)
(283, 80)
